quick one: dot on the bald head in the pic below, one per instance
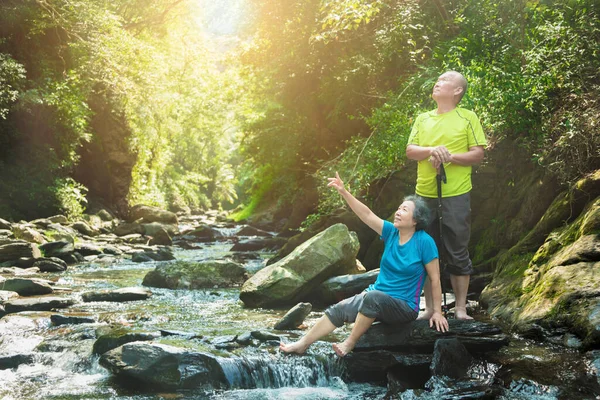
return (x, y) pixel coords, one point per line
(461, 82)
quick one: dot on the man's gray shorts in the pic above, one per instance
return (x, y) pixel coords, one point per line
(373, 304)
(456, 233)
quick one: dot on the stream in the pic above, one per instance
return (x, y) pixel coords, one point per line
(64, 367)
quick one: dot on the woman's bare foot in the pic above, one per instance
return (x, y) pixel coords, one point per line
(342, 349)
(425, 314)
(296, 347)
(461, 313)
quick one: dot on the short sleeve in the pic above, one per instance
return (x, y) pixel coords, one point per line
(429, 250)
(387, 231)
(413, 138)
(476, 134)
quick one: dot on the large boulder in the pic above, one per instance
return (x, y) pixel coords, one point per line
(15, 250)
(27, 287)
(330, 253)
(110, 338)
(149, 214)
(165, 367)
(27, 233)
(196, 275)
(341, 287)
(557, 285)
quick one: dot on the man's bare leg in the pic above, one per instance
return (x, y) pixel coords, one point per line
(321, 328)
(428, 301)
(460, 285)
(361, 325)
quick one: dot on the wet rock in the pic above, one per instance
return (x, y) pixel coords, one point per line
(51, 264)
(418, 336)
(119, 337)
(58, 219)
(27, 233)
(13, 362)
(190, 275)
(117, 295)
(252, 231)
(58, 319)
(272, 243)
(373, 366)
(450, 358)
(37, 304)
(6, 295)
(223, 339)
(127, 229)
(294, 317)
(149, 214)
(87, 249)
(264, 336)
(72, 258)
(146, 256)
(161, 237)
(330, 253)
(187, 335)
(203, 233)
(58, 249)
(338, 288)
(57, 232)
(4, 224)
(165, 367)
(141, 257)
(156, 228)
(28, 287)
(85, 229)
(112, 251)
(15, 250)
(244, 339)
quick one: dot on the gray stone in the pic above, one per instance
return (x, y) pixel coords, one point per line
(57, 249)
(141, 257)
(84, 229)
(288, 281)
(4, 224)
(126, 229)
(270, 243)
(13, 362)
(189, 275)
(27, 287)
(165, 367)
(294, 317)
(15, 250)
(104, 215)
(338, 288)
(117, 295)
(161, 237)
(37, 304)
(6, 295)
(58, 319)
(450, 358)
(87, 249)
(27, 233)
(149, 214)
(58, 219)
(119, 337)
(264, 336)
(51, 264)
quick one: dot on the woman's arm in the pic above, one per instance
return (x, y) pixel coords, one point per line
(363, 212)
(437, 319)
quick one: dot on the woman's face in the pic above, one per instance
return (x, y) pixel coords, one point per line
(404, 216)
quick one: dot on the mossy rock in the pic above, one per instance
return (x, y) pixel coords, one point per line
(194, 275)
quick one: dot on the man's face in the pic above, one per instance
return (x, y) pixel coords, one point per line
(404, 215)
(446, 87)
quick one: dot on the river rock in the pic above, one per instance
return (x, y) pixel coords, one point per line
(156, 228)
(85, 229)
(271, 243)
(4, 224)
(190, 275)
(165, 367)
(6, 295)
(27, 233)
(252, 231)
(149, 214)
(202, 233)
(105, 215)
(294, 317)
(59, 248)
(57, 232)
(87, 249)
(118, 337)
(51, 264)
(27, 287)
(417, 336)
(58, 319)
(263, 336)
(159, 255)
(141, 257)
(58, 219)
(338, 288)
(15, 250)
(117, 295)
(127, 229)
(374, 365)
(37, 304)
(160, 237)
(450, 358)
(331, 252)
(13, 362)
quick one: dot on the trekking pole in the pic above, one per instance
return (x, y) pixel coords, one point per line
(441, 177)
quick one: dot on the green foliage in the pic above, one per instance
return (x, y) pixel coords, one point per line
(11, 76)
(71, 196)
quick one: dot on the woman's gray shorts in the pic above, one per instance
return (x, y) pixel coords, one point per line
(373, 304)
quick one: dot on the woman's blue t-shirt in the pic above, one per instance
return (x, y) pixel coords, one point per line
(402, 270)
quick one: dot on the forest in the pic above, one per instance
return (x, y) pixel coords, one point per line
(245, 104)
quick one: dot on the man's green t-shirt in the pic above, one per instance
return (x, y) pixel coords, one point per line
(458, 130)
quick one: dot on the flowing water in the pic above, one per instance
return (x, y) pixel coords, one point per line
(63, 366)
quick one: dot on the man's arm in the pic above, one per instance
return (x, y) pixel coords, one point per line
(471, 157)
(437, 319)
(362, 211)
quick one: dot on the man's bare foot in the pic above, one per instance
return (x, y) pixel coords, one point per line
(296, 347)
(425, 314)
(342, 349)
(461, 313)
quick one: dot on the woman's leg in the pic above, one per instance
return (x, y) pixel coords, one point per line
(362, 324)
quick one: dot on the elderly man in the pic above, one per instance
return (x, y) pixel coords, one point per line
(452, 136)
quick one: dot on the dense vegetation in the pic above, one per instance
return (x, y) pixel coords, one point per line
(314, 86)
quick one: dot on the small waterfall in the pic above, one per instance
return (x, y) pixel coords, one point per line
(281, 371)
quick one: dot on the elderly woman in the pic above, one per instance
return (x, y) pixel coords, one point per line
(410, 256)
